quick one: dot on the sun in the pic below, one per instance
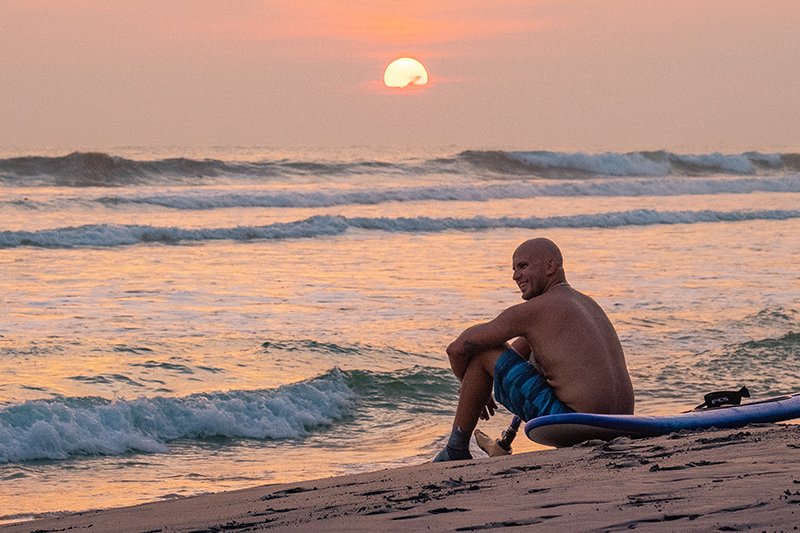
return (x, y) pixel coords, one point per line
(405, 72)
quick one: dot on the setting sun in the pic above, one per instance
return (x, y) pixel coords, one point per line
(405, 72)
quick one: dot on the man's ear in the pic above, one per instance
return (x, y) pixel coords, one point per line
(551, 267)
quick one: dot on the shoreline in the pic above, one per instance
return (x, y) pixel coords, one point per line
(726, 480)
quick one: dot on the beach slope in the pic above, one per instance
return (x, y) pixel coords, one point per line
(728, 480)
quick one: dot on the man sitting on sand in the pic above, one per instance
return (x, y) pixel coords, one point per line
(566, 356)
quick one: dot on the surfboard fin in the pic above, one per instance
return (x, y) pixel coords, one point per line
(723, 398)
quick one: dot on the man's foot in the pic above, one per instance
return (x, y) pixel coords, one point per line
(451, 454)
(489, 445)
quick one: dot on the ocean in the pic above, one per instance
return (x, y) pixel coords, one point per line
(179, 321)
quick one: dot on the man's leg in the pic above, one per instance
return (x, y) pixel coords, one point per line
(476, 389)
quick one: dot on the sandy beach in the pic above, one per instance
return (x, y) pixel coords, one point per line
(718, 480)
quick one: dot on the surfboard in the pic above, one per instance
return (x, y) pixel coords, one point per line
(572, 428)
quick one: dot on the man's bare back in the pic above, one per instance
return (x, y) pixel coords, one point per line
(577, 350)
(577, 360)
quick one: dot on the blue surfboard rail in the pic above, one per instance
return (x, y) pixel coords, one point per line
(571, 428)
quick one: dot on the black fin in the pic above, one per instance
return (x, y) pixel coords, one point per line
(722, 398)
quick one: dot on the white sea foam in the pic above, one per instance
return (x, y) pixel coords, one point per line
(59, 428)
(611, 164)
(111, 235)
(735, 164)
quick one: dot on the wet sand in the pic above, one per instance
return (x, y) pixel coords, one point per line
(726, 480)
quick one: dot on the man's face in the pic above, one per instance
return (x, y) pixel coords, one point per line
(529, 273)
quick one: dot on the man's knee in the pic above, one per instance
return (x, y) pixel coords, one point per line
(488, 358)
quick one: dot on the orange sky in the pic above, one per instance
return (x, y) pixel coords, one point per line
(557, 74)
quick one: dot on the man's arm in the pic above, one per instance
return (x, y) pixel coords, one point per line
(508, 324)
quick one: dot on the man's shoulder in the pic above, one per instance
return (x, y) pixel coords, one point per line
(550, 300)
(535, 305)
(561, 300)
(559, 295)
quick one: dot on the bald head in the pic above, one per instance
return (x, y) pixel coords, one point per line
(541, 248)
(538, 265)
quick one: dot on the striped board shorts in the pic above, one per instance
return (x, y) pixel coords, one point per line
(522, 390)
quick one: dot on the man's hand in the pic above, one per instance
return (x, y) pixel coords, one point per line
(489, 409)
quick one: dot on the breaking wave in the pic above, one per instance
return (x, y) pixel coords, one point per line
(93, 169)
(660, 163)
(200, 199)
(60, 428)
(467, 193)
(111, 235)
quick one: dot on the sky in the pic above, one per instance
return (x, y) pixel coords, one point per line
(590, 75)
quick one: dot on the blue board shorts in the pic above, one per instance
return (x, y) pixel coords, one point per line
(523, 390)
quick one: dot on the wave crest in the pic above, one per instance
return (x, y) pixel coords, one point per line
(463, 193)
(63, 427)
(659, 163)
(112, 235)
(95, 169)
